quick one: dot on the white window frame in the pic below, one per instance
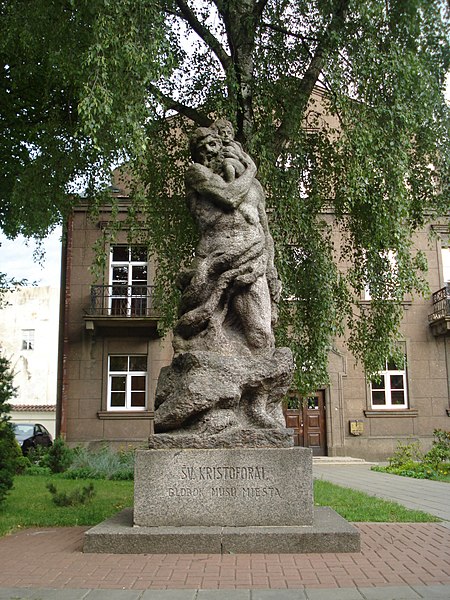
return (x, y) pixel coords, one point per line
(128, 374)
(28, 339)
(386, 377)
(129, 283)
(445, 255)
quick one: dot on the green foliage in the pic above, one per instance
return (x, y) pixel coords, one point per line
(102, 464)
(440, 450)
(9, 449)
(89, 84)
(409, 460)
(417, 470)
(8, 458)
(37, 470)
(74, 498)
(37, 455)
(7, 285)
(23, 463)
(405, 453)
(59, 456)
(54, 459)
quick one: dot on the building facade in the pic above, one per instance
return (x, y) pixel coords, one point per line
(111, 355)
(29, 340)
(110, 351)
(366, 419)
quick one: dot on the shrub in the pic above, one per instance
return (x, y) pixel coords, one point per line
(9, 454)
(22, 464)
(9, 449)
(408, 459)
(37, 455)
(74, 498)
(58, 457)
(406, 453)
(102, 464)
(440, 450)
(417, 470)
(37, 470)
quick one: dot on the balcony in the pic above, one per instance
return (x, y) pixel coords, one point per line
(439, 319)
(126, 306)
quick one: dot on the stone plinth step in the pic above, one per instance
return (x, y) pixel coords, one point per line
(329, 533)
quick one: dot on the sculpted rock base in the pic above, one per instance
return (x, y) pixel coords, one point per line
(207, 400)
(246, 438)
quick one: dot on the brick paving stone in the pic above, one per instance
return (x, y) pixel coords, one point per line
(279, 585)
(344, 583)
(411, 554)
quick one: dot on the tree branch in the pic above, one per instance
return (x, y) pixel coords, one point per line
(285, 31)
(294, 114)
(259, 7)
(210, 40)
(170, 104)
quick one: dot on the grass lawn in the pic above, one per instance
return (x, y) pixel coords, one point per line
(357, 506)
(30, 505)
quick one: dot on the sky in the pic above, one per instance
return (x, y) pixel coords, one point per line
(16, 260)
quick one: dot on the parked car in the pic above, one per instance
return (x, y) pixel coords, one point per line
(31, 435)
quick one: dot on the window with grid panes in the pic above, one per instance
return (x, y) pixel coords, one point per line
(389, 390)
(127, 388)
(128, 279)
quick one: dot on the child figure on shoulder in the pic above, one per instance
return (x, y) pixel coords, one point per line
(233, 156)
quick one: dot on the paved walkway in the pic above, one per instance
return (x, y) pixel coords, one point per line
(432, 497)
(398, 561)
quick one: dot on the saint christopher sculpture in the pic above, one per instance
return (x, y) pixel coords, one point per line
(227, 379)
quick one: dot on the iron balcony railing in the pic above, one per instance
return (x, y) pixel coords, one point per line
(121, 300)
(441, 304)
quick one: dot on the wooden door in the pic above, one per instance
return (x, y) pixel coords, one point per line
(294, 420)
(309, 424)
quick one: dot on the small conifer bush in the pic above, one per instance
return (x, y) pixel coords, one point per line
(74, 498)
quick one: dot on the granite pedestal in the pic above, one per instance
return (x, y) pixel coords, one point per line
(224, 501)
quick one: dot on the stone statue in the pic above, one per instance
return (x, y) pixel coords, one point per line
(229, 295)
(227, 379)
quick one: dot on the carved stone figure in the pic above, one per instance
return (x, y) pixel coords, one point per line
(227, 379)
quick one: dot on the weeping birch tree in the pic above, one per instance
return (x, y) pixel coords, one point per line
(340, 102)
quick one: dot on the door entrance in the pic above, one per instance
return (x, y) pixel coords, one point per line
(309, 424)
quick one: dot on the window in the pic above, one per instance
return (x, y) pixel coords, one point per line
(445, 252)
(389, 392)
(128, 279)
(27, 339)
(390, 264)
(127, 389)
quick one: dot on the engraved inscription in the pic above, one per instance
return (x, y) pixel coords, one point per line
(264, 492)
(185, 492)
(224, 492)
(207, 484)
(223, 473)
